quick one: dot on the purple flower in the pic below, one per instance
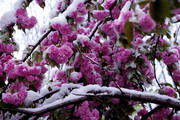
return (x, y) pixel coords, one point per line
(100, 14)
(146, 23)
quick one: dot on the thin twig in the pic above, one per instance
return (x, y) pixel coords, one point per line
(154, 63)
(94, 30)
(37, 44)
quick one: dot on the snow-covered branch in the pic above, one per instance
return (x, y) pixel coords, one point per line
(87, 92)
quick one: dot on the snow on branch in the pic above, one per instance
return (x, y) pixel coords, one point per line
(82, 93)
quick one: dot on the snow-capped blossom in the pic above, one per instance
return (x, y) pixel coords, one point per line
(122, 55)
(100, 14)
(176, 75)
(170, 57)
(39, 1)
(28, 22)
(59, 55)
(176, 117)
(73, 14)
(168, 90)
(82, 8)
(22, 70)
(24, 20)
(108, 4)
(75, 76)
(79, 19)
(34, 70)
(119, 26)
(65, 29)
(146, 23)
(126, 15)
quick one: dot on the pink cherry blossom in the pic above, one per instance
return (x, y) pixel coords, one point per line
(146, 23)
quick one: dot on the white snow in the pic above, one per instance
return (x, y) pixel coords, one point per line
(61, 19)
(80, 93)
(7, 18)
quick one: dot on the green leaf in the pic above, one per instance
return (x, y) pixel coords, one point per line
(130, 64)
(100, 7)
(159, 10)
(74, 27)
(131, 74)
(142, 3)
(52, 63)
(128, 29)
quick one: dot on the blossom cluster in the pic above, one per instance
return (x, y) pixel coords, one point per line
(24, 20)
(17, 94)
(59, 55)
(6, 48)
(97, 43)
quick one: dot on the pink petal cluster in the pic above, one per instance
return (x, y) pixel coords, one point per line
(75, 76)
(146, 23)
(122, 55)
(59, 55)
(168, 91)
(84, 112)
(65, 29)
(142, 113)
(176, 75)
(17, 96)
(170, 57)
(108, 4)
(115, 12)
(82, 8)
(100, 14)
(6, 48)
(24, 20)
(176, 117)
(108, 29)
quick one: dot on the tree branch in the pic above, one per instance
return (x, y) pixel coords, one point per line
(90, 91)
(38, 43)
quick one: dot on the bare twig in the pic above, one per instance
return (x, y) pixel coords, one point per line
(37, 44)
(154, 63)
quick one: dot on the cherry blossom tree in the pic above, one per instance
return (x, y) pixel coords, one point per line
(103, 55)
